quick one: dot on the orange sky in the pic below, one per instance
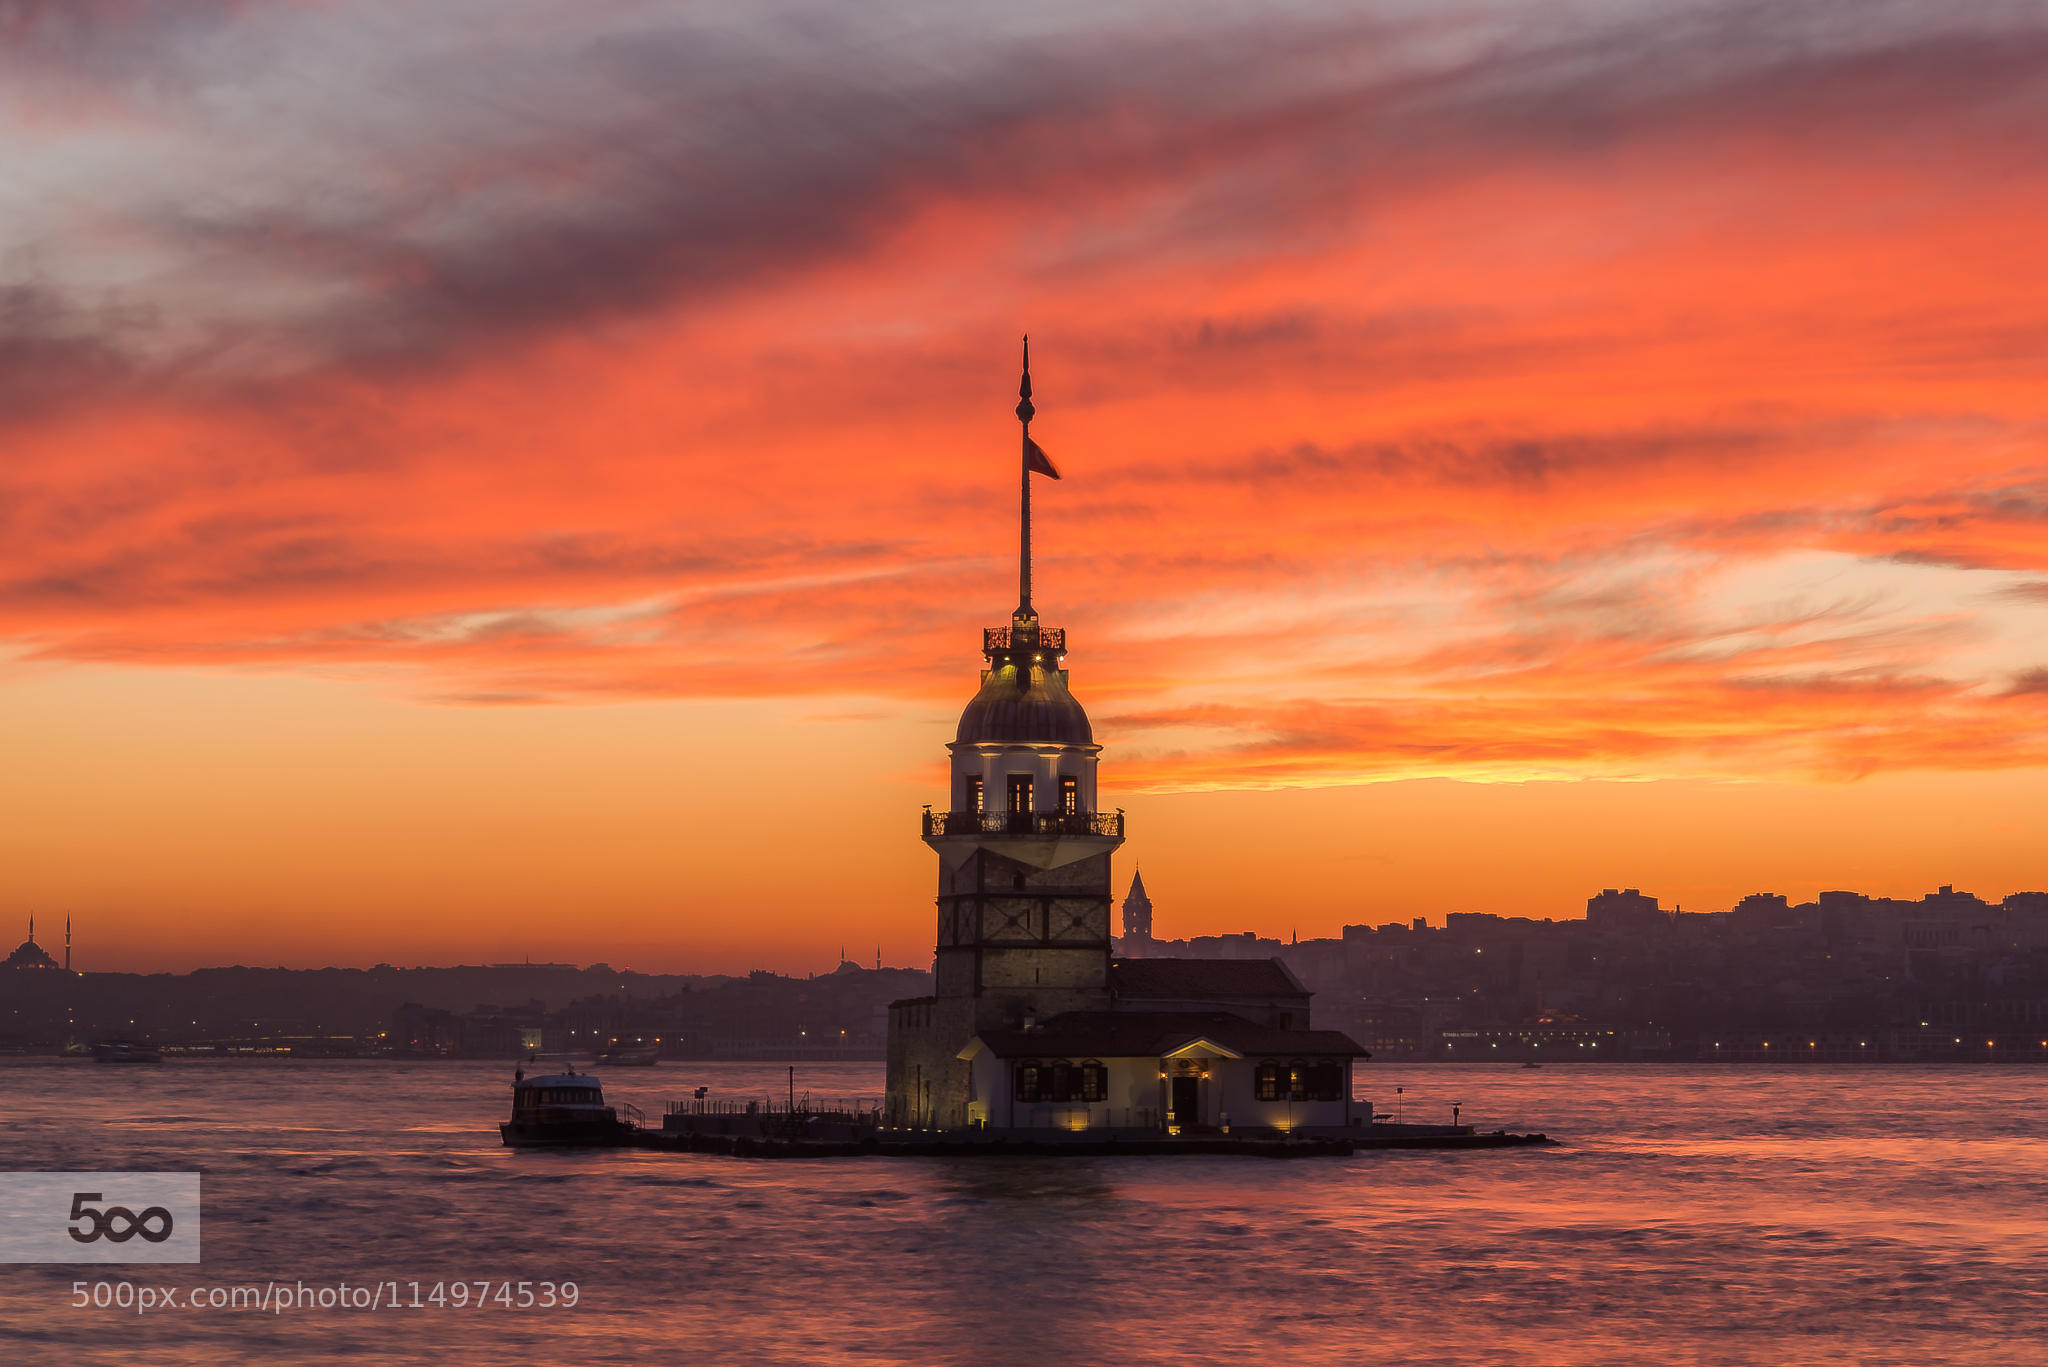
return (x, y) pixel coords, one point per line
(463, 496)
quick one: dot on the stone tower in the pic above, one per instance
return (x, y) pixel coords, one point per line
(1137, 911)
(1024, 858)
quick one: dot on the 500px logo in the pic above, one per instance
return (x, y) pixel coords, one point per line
(99, 1217)
(117, 1222)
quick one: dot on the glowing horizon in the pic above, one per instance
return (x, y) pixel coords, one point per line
(465, 493)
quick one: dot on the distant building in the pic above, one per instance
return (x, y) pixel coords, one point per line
(1625, 910)
(1137, 910)
(28, 954)
(1761, 911)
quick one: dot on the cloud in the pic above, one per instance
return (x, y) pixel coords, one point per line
(364, 199)
(1631, 391)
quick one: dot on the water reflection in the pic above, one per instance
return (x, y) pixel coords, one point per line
(1696, 1215)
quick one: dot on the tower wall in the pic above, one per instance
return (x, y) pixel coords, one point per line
(1017, 940)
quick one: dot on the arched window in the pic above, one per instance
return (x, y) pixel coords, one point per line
(1061, 1086)
(1297, 1080)
(1030, 1080)
(1094, 1079)
(1268, 1081)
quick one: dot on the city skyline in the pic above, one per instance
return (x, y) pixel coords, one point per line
(1489, 473)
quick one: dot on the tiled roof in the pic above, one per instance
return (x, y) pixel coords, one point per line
(1203, 979)
(1151, 1034)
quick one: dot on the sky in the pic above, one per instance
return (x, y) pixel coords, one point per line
(483, 478)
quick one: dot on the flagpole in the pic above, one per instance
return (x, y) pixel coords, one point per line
(1024, 412)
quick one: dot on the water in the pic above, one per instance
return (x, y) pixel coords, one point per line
(1696, 1215)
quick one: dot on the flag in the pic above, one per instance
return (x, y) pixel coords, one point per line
(1036, 461)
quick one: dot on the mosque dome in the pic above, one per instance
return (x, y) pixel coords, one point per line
(29, 954)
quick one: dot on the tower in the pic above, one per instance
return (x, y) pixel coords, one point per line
(1024, 852)
(1137, 910)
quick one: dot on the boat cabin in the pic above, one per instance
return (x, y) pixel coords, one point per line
(557, 1098)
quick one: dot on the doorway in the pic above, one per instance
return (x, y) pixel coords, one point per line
(1020, 803)
(1186, 1100)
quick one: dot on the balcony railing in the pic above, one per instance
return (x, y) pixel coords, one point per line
(1024, 823)
(1053, 639)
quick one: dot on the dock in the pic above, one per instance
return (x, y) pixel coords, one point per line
(847, 1133)
(940, 1145)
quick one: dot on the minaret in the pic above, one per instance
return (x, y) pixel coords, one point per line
(1024, 854)
(67, 942)
(1137, 910)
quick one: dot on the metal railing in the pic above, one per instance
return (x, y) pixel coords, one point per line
(938, 824)
(999, 638)
(844, 1108)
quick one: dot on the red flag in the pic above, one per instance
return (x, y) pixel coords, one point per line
(1036, 461)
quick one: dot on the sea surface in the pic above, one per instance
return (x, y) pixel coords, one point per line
(1703, 1214)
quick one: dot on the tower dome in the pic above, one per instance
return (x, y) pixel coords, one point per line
(1024, 753)
(1024, 701)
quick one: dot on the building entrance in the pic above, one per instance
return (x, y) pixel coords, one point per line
(1186, 1101)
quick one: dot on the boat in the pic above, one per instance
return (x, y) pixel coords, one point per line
(564, 1108)
(628, 1056)
(1532, 1065)
(125, 1051)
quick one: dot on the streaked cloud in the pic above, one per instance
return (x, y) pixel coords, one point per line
(1485, 391)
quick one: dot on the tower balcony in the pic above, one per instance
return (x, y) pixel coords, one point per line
(996, 640)
(938, 825)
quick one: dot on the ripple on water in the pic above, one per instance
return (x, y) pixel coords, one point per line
(1697, 1215)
